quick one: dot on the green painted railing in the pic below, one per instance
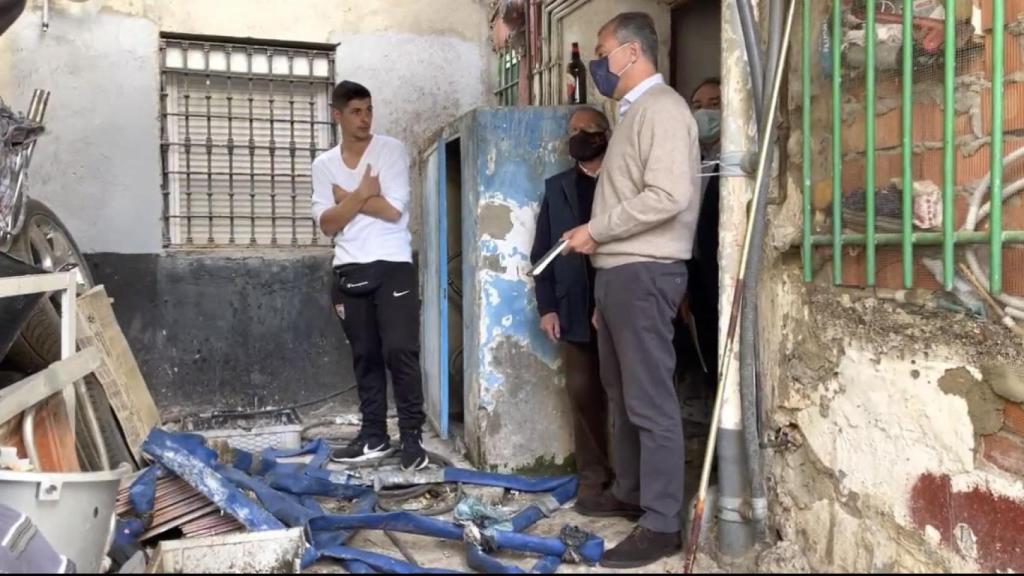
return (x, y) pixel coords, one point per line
(907, 238)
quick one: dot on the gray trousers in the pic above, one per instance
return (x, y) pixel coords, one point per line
(636, 304)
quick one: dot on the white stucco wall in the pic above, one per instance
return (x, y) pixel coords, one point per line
(99, 168)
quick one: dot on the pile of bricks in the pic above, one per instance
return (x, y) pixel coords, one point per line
(973, 156)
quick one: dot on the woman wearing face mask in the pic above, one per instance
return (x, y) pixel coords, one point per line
(707, 106)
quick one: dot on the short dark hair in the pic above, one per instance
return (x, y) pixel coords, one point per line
(636, 27)
(347, 91)
(599, 117)
(713, 81)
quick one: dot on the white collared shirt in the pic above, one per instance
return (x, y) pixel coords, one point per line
(637, 92)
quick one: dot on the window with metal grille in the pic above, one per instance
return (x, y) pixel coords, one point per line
(508, 78)
(240, 126)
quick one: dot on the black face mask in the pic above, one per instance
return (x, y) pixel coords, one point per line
(585, 146)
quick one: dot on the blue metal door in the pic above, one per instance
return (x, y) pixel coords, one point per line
(434, 279)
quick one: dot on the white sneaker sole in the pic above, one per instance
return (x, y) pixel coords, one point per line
(421, 466)
(365, 458)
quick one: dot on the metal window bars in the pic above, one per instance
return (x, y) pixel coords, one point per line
(508, 78)
(237, 122)
(907, 238)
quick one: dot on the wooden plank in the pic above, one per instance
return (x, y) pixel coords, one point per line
(22, 395)
(118, 373)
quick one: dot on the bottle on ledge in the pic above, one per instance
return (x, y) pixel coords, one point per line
(577, 77)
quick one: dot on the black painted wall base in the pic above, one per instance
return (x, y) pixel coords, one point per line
(214, 331)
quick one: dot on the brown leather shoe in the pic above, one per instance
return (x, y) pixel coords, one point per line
(605, 505)
(641, 548)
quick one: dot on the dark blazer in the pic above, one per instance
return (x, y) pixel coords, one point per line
(564, 287)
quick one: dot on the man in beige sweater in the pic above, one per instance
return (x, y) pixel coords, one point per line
(640, 236)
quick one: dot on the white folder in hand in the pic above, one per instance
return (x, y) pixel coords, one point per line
(549, 258)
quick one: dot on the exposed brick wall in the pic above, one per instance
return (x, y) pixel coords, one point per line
(1005, 451)
(973, 154)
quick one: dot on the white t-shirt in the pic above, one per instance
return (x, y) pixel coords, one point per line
(367, 239)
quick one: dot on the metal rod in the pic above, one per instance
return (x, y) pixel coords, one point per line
(244, 118)
(291, 143)
(273, 151)
(231, 153)
(871, 35)
(908, 145)
(209, 145)
(924, 238)
(28, 436)
(249, 76)
(188, 164)
(948, 149)
(252, 158)
(805, 69)
(730, 343)
(996, 211)
(312, 140)
(837, 141)
(92, 424)
(165, 189)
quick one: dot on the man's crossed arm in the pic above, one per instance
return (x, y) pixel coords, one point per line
(365, 199)
(375, 206)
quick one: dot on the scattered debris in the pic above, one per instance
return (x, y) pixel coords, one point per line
(273, 552)
(179, 507)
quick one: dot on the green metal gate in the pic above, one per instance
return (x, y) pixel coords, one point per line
(908, 238)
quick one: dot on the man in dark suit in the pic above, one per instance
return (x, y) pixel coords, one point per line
(565, 302)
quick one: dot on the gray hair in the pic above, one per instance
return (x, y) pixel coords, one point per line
(600, 119)
(636, 27)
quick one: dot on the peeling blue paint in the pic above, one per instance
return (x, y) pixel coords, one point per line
(507, 154)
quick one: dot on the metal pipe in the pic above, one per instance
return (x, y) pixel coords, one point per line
(733, 531)
(776, 16)
(749, 321)
(908, 147)
(93, 425)
(46, 15)
(837, 142)
(28, 436)
(871, 36)
(948, 142)
(924, 238)
(995, 218)
(752, 44)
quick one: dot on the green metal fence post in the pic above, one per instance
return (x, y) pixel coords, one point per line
(908, 147)
(996, 215)
(870, 41)
(837, 142)
(948, 146)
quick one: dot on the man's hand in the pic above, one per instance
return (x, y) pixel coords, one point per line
(550, 325)
(369, 186)
(684, 308)
(595, 320)
(339, 193)
(580, 241)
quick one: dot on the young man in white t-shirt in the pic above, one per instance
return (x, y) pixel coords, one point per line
(361, 199)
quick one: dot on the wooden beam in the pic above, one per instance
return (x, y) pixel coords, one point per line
(26, 393)
(118, 373)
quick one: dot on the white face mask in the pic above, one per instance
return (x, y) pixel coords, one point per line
(709, 125)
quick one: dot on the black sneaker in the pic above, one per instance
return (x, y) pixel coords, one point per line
(361, 449)
(414, 457)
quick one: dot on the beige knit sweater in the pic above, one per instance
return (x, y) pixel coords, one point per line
(648, 194)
